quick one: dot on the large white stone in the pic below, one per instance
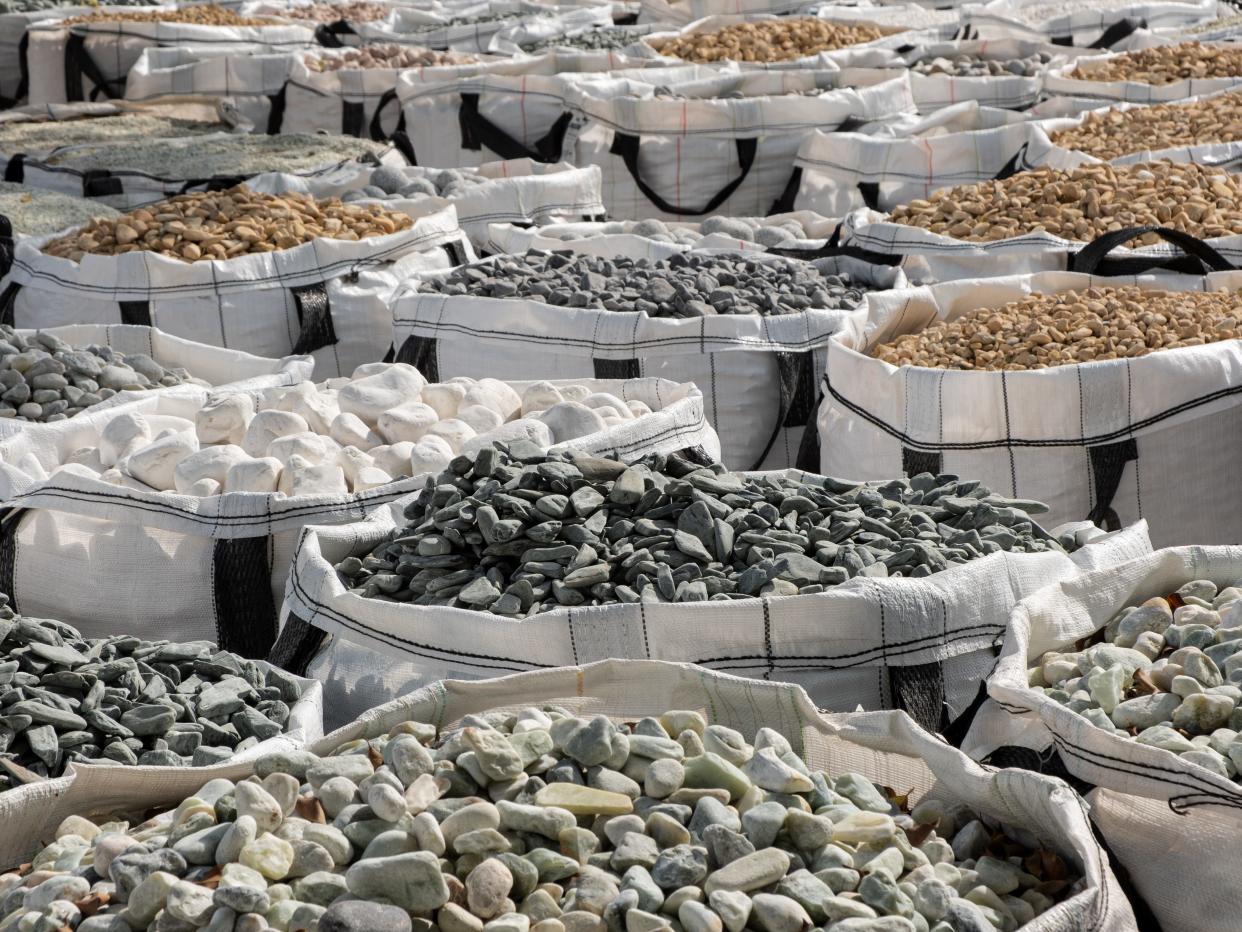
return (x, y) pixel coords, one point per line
(525, 428)
(539, 397)
(445, 397)
(480, 418)
(314, 448)
(301, 477)
(260, 474)
(394, 458)
(407, 422)
(224, 419)
(156, 463)
(570, 420)
(208, 463)
(349, 430)
(122, 435)
(267, 426)
(455, 432)
(370, 397)
(430, 455)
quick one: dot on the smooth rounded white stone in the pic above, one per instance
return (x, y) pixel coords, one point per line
(394, 459)
(371, 396)
(508, 400)
(407, 422)
(122, 435)
(369, 477)
(452, 430)
(89, 457)
(260, 474)
(571, 420)
(540, 397)
(350, 430)
(156, 463)
(314, 448)
(445, 397)
(480, 418)
(575, 393)
(208, 463)
(430, 455)
(224, 419)
(268, 426)
(600, 400)
(204, 488)
(638, 408)
(526, 428)
(301, 477)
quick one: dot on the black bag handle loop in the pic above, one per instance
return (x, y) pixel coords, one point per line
(376, 129)
(79, 64)
(1088, 260)
(626, 146)
(329, 34)
(477, 131)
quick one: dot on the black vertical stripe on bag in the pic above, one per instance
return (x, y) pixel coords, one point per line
(80, 67)
(423, 354)
(617, 368)
(241, 580)
(352, 113)
(6, 245)
(919, 692)
(784, 202)
(808, 448)
(314, 318)
(297, 645)
(15, 168)
(8, 302)
(136, 312)
(10, 518)
(1108, 462)
(276, 111)
(796, 383)
(914, 462)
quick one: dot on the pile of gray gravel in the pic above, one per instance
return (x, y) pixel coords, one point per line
(43, 378)
(41, 137)
(683, 285)
(36, 212)
(126, 700)
(516, 531)
(222, 154)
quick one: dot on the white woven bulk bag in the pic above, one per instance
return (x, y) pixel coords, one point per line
(898, 34)
(937, 257)
(1136, 792)
(922, 645)
(707, 152)
(1042, 151)
(31, 813)
(758, 374)
(223, 369)
(78, 170)
(354, 101)
(467, 27)
(1095, 23)
(90, 61)
(1061, 81)
(109, 558)
(885, 747)
(14, 76)
(517, 191)
(839, 172)
(511, 110)
(251, 83)
(626, 237)
(326, 298)
(1109, 442)
(934, 92)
